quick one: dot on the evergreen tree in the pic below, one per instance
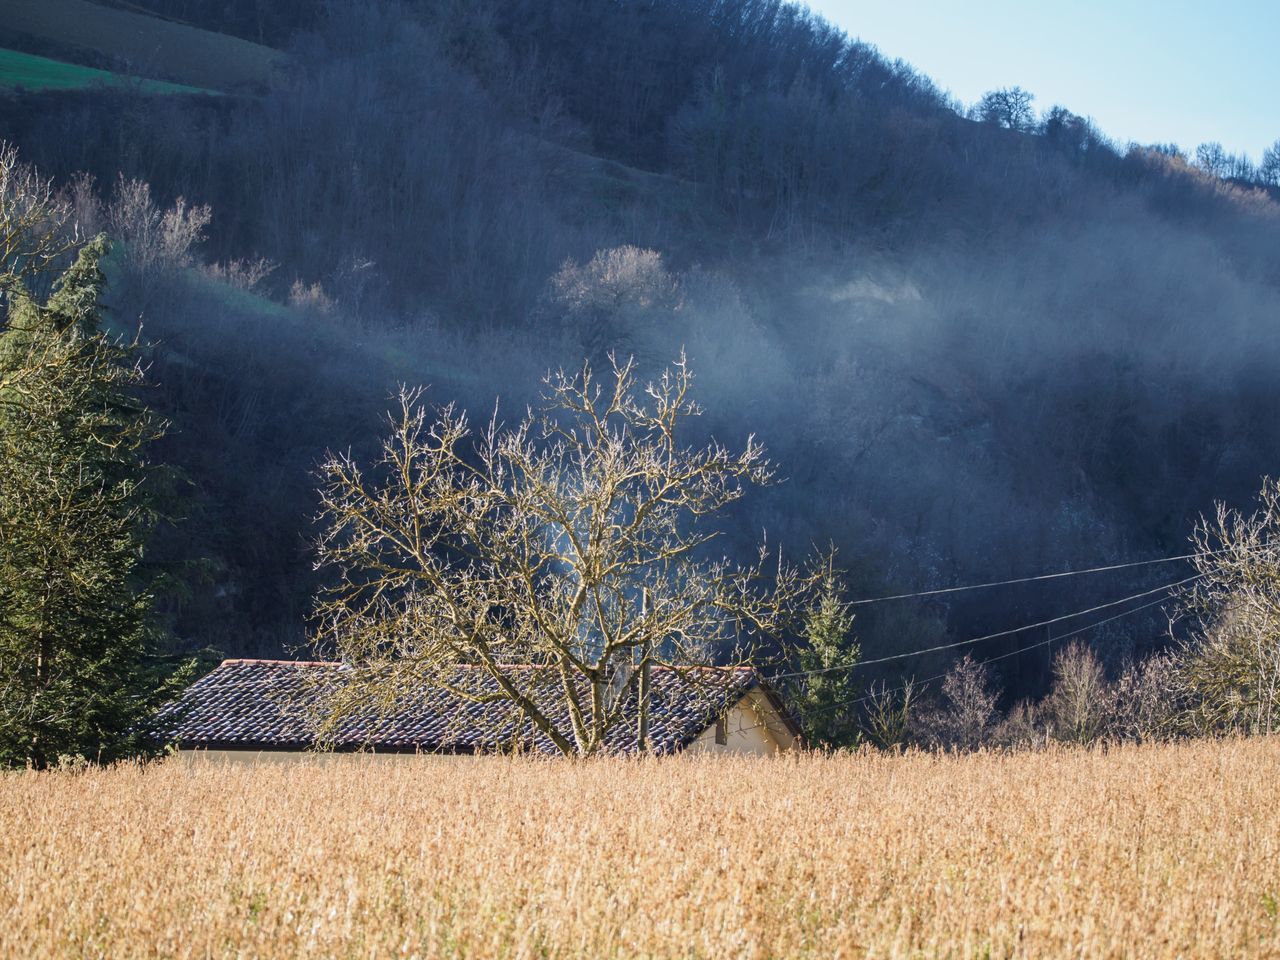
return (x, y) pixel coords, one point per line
(824, 698)
(78, 675)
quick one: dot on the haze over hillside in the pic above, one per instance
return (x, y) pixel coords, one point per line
(978, 348)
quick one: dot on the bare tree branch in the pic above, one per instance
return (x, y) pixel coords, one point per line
(533, 544)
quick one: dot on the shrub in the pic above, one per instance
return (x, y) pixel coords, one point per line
(966, 716)
(155, 240)
(889, 714)
(1079, 704)
(1231, 661)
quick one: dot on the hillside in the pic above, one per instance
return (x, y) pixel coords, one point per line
(148, 45)
(976, 351)
(22, 71)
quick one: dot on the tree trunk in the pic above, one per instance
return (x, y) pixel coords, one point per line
(642, 689)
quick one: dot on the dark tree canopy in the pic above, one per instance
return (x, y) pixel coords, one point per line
(77, 673)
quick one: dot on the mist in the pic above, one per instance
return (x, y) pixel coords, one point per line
(976, 352)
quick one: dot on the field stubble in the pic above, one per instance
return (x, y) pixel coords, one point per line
(1136, 851)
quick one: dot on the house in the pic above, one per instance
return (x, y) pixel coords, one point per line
(261, 709)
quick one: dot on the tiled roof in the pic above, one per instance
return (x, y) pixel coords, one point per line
(269, 705)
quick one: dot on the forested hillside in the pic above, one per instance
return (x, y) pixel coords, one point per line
(979, 343)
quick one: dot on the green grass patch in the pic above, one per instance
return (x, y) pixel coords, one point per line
(242, 301)
(28, 72)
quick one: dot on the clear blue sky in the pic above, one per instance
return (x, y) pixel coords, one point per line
(1155, 71)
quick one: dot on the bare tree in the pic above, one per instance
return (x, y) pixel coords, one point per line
(33, 220)
(1212, 159)
(1078, 705)
(573, 542)
(889, 714)
(155, 240)
(1023, 728)
(967, 714)
(1069, 130)
(1150, 699)
(1008, 107)
(1231, 662)
(242, 274)
(34, 240)
(615, 301)
(1269, 168)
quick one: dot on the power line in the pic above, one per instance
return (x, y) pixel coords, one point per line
(1003, 656)
(1043, 576)
(1032, 646)
(989, 636)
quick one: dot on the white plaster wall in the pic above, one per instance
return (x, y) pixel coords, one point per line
(753, 727)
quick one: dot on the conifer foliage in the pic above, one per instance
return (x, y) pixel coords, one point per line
(77, 673)
(826, 693)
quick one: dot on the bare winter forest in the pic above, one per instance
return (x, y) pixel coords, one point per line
(980, 343)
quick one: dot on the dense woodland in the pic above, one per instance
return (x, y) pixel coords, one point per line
(981, 341)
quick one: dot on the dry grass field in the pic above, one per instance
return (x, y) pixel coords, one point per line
(1133, 852)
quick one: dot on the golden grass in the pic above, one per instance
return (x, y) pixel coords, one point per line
(1136, 852)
